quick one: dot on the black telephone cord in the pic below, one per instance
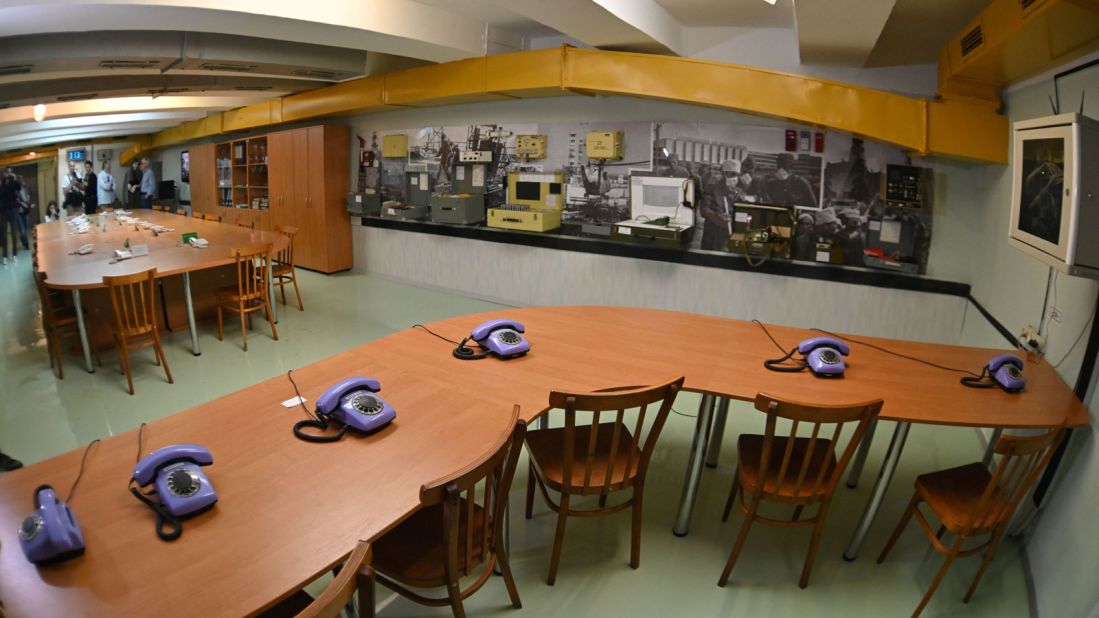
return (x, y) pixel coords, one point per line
(315, 421)
(982, 381)
(775, 364)
(168, 526)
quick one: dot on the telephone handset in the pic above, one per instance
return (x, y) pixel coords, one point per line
(501, 338)
(182, 486)
(354, 404)
(50, 533)
(1005, 371)
(823, 356)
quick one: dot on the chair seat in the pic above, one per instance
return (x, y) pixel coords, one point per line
(954, 493)
(547, 449)
(232, 294)
(750, 449)
(414, 552)
(278, 268)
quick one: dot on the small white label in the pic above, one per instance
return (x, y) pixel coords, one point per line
(823, 256)
(875, 226)
(740, 217)
(460, 173)
(551, 201)
(478, 179)
(137, 250)
(424, 179)
(294, 401)
(890, 232)
(391, 211)
(625, 231)
(358, 199)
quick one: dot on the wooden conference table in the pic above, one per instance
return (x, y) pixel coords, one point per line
(290, 510)
(65, 270)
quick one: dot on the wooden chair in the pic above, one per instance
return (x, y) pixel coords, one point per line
(970, 501)
(135, 319)
(356, 576)
(158, 207)
(242, 222)
(791, 469)
(58, 322)
(284, 272)
(250, 293)
(454, 532)
(198, 215)
(598, 458)
(214, 218)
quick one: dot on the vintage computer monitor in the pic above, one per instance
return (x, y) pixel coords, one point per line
(651, 199)
(534, 203)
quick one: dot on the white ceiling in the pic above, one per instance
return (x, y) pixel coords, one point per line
(201, 54)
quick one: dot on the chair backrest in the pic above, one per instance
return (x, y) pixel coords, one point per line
(458, 495)
(157, 207)
(1021, 460)
(286, 256)
(252, 270)
(614, 401)
(44, 298)
(352, 576)
(198, 215)
(132, 300)
(241, 222)
(790, 480)
(214, 218)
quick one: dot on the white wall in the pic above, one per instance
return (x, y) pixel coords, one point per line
(170, 169)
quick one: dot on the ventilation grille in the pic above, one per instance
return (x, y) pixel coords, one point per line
(252, 88)
(227, 66)
(317, 74)
(16, 69)
(129, 64)
(972, 41)
(77, 97)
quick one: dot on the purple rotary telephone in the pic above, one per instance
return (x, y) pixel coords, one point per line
(353, 404)
(823, 356)
(182, 486)
(1005, 371)
(50, 533)
(500, 338)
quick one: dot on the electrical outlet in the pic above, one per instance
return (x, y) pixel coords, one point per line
(1055, 314)
(1031, 339)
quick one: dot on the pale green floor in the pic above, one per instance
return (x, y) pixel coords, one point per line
(41, 416)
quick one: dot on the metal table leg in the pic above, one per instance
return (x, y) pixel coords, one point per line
(860, 456)
(717, 433)
(694, 466)
(991, 449)
(190, 314)
(83, 332)
(888, 466)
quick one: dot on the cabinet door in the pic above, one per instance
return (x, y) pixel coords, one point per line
(336, 234)
(313, 224)
(203, 179)
(280, 179)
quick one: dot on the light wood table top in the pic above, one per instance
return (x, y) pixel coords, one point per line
(290, 510)
(167, 253)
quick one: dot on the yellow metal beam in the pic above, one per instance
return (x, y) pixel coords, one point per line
(962, 127)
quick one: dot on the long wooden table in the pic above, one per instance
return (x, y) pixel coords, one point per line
(56, 244)
(289, 510)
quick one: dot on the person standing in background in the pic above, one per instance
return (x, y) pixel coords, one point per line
(72, 187)
(9, 204)
(91, 197)
(23, 197)
(148, 183)
(105, 185)
(53, 213)
(133, 185)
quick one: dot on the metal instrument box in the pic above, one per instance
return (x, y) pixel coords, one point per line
(470, 178)
(366, 204)
(604, 145)
(525, 218)
(418, 187)
(653, 198)
(395, 145)
(404, 212)
(462, 209)
(530, 146)
(475, 156)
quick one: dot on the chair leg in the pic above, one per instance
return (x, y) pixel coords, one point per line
(243, 329)
(282, 290)
(126, 367)
(220, 328)
(558, 539)
(366, 593)
(635, 527)
(797, 512)
(733, 491)
(749, 517)
(814, 543)
(509, 581)
(908, 512)
(455, 593)
(163, 359)
(939, 577)
(531, 480)
(984, 565)
(270, 317)
(294, 278)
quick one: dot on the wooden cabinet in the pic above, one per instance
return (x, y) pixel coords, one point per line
(308, 181)
(203, 179)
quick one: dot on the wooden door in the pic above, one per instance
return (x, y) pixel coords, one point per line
(203, 179)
